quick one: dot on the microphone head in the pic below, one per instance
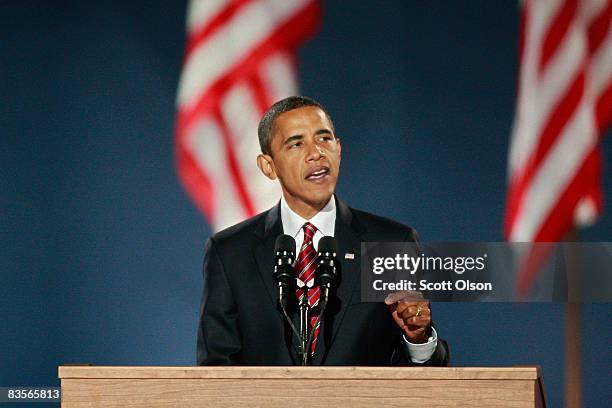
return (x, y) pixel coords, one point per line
(328, 244)
(284, 243)
(326, 273)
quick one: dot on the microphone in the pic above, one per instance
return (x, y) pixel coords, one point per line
(326, 272)
(284, 273)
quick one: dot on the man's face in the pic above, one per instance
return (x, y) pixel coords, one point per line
(305, 157)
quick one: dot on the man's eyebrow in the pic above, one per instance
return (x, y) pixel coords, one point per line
(292, 139)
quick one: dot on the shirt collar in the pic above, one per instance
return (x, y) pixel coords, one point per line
(324, 220)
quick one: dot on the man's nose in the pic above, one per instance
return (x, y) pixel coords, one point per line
(315, 152)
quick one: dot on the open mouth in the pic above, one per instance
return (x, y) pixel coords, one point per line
(318, 174)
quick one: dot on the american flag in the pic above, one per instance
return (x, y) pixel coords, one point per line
(564, 107)
(239, 59)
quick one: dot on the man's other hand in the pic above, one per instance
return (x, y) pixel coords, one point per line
(412, 314)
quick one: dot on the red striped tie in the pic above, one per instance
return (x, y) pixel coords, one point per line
(305, 266)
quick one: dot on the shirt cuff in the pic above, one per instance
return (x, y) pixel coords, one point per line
(420, 353)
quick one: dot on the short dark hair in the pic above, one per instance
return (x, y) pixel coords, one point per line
(266, 125)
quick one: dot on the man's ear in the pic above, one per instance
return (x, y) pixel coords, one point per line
(339, 147)
(266, 165)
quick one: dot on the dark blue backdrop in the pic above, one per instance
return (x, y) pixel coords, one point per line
(101, 249)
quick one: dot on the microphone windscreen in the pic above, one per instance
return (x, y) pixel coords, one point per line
(328, 244)
(284, 243)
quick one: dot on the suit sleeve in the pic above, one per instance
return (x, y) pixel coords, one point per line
(219, 340)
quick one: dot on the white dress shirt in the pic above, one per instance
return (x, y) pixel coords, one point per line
(325, 222)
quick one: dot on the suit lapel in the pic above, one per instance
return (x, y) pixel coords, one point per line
(347, 236)
(264, 252)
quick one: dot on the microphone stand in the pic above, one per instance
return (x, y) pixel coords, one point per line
(304, 320)
(284, 274)
(304, 335)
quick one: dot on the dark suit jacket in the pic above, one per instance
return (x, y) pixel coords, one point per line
(240, 320)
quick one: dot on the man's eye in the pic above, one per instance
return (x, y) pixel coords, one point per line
(296, 144)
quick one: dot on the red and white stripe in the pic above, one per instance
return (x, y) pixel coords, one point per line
(239, 59)
(564, 106)
(305, 267)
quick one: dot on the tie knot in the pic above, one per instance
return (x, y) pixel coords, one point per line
(309, 231)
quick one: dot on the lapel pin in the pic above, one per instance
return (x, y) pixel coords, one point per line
(349, 256)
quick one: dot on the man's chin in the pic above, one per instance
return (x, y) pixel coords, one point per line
(320, 199)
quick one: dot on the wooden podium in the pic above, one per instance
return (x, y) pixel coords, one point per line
(88, 386)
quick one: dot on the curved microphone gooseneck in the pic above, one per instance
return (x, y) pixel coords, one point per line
(284, 274)
(326, 276)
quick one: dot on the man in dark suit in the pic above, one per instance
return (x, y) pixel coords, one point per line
(240, 320)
